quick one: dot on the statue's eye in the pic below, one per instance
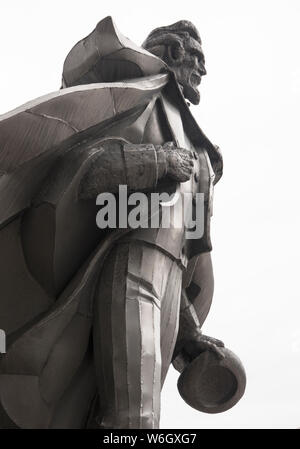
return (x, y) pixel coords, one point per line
(198, 58)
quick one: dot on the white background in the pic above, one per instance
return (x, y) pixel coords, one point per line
(250, 107)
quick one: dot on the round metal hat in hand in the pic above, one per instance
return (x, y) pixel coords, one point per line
(212, 384)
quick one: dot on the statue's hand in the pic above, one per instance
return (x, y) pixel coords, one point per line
(179, 162)
(201, 343)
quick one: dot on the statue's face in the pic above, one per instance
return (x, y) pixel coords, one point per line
(189, 67)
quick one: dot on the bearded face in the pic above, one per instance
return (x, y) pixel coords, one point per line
(179, 46)
(186, 60)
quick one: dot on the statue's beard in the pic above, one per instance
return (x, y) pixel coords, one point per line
(191, 93)
(189, 88)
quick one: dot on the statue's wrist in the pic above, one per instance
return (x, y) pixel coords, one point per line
(190, 335)
(194, 333)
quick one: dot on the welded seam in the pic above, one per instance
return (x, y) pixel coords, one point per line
(51, 117)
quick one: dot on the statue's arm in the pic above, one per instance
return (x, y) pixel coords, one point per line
(138, 166)
(195, 304)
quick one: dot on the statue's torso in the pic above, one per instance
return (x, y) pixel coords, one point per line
(166, 124)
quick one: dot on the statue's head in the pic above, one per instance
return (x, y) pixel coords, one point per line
(179, 46)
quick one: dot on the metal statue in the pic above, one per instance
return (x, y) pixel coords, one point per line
(95, 316)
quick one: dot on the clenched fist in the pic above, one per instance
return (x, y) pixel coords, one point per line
(178, 162)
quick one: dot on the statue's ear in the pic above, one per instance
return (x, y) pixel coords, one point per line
(176, 52)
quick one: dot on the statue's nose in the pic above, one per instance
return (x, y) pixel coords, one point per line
(202, 69)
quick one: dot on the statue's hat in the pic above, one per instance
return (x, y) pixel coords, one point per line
(211, 384)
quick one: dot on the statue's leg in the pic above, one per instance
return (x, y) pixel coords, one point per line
(132, 289)
(170, 318)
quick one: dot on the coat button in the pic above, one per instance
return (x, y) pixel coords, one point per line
(195, 155)
(196, 177)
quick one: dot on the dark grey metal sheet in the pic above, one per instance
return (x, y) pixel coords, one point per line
(32, 135)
